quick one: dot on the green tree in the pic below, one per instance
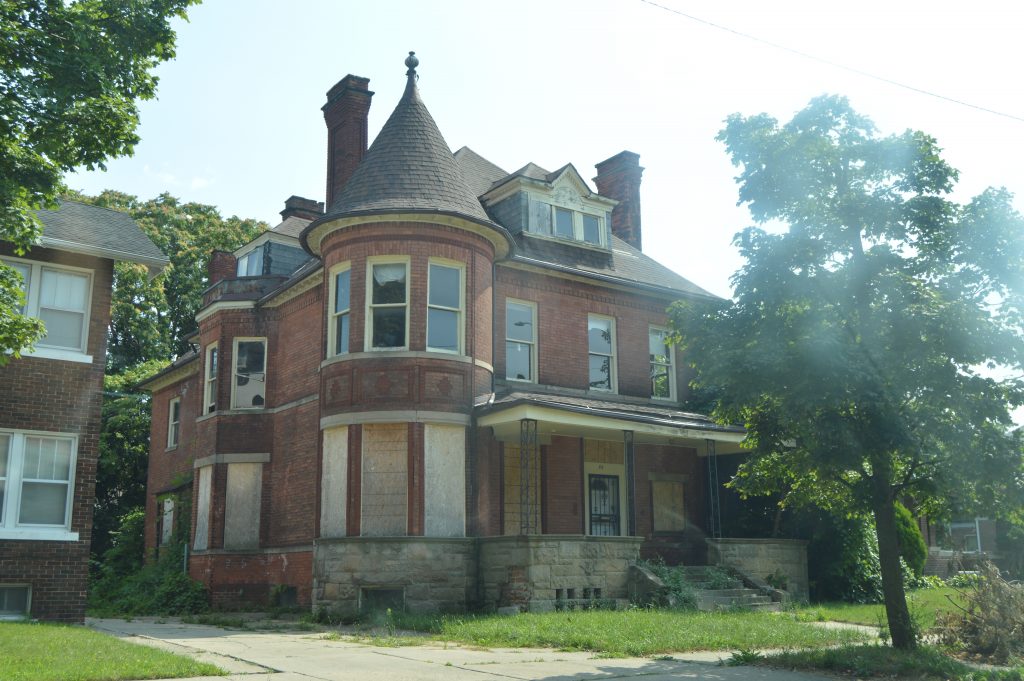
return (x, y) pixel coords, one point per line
(152, 319)
(856, 347)
(71, 74)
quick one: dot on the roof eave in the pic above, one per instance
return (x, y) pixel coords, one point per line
(154, 264)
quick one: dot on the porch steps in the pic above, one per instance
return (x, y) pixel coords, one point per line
(716, 593)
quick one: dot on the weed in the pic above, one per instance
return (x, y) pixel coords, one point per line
(744, 657)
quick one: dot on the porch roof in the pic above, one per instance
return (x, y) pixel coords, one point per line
(588, 415)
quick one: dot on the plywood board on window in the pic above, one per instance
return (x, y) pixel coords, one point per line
(603, 451)
(385, 460)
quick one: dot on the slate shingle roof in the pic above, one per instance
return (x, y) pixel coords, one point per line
(409, 167)
(292, 226)
(100, 231)
(478, 172)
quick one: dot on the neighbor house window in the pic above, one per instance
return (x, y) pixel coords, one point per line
(14, 601)
(669, 512)
(444, 308)
(210, 382)
(251, 264)
(601, 346)
(249, 387)
(389, 305)
(60, 298)
(341, 294)
(36, 483)
(662, 376)
(173, 422)
(520, 341)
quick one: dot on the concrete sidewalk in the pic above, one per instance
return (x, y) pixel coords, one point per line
(308, 656)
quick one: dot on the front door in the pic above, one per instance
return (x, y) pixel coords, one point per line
(604, 505)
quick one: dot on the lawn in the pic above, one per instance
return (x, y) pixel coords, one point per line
(51, 652)
(631, 632)
(872, 661)
(924, 604)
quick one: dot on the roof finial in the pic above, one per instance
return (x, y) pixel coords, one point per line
(412, 62)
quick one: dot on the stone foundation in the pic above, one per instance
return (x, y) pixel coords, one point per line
(425, 574)
(535, 572)
(760, 558)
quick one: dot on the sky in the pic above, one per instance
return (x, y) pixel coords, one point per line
(237, 121)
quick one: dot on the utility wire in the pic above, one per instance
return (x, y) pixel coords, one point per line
(851, 69)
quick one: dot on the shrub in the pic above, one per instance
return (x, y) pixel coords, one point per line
(912, 547)
(991, 625)
(678, 590)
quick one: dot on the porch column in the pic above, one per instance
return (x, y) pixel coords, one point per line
(529, 467)
(630, 459)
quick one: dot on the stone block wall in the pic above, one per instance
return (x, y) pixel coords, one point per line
(435, 574)
(759, 558)
(530, 571)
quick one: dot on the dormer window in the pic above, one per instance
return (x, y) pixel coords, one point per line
(571, 224)
(251, 264)
(564, 224)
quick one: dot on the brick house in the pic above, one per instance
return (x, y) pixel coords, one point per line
(50, 402)
(450, 388)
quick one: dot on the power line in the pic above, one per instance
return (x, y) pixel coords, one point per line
(851, 69)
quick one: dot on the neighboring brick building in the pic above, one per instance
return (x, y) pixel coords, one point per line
(50, 403)
(451, 388)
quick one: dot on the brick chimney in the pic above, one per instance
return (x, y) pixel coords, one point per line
(346, 111)
(222, 265)
(619, 178)
(301, 207)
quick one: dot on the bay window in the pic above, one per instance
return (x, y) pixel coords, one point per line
(388, 307)
(210, 379)
(444, 308)
(341, 301)
(249, 387)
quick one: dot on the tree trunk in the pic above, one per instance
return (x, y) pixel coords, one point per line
(901, 627)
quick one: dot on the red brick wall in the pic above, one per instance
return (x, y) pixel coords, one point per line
(485, 513)
(63, 397)
(562, 310)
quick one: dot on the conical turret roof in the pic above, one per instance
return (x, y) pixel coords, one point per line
(409, 168)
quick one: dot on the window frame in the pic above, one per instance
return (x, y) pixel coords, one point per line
(369, 305)
(612, 356)
(670, 365)
(534, 378)
(253, 255)
(578, 231)
(14, 617)
(333, 314)
(460, 311)
(10, 525)
(234, 370)
(31, 308)
(173, 425)
(210, 379)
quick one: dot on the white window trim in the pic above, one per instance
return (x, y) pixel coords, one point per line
(10, 528)
(28, 602)
(368, 307)
(173, 444)
(671, 364)
(34, 285)
(460, 311)
(613, 362)
(234, 369)
(332, 315)
(577, 225)
(244, 256)
(534, 378)
(207, 378)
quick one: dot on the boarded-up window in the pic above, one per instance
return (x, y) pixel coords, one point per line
(669, 511)
(202, 540)
(167, 521)
(513, 491)
(385, 480)
(444, 486)
(334, 485)
(242, 505)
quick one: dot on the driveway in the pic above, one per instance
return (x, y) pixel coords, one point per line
(308, 656)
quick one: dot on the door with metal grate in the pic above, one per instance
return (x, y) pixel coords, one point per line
(604, 505)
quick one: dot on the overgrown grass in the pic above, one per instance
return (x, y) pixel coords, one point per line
(869, 661)
(924, 605)
(51, 652)
(631, 632)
